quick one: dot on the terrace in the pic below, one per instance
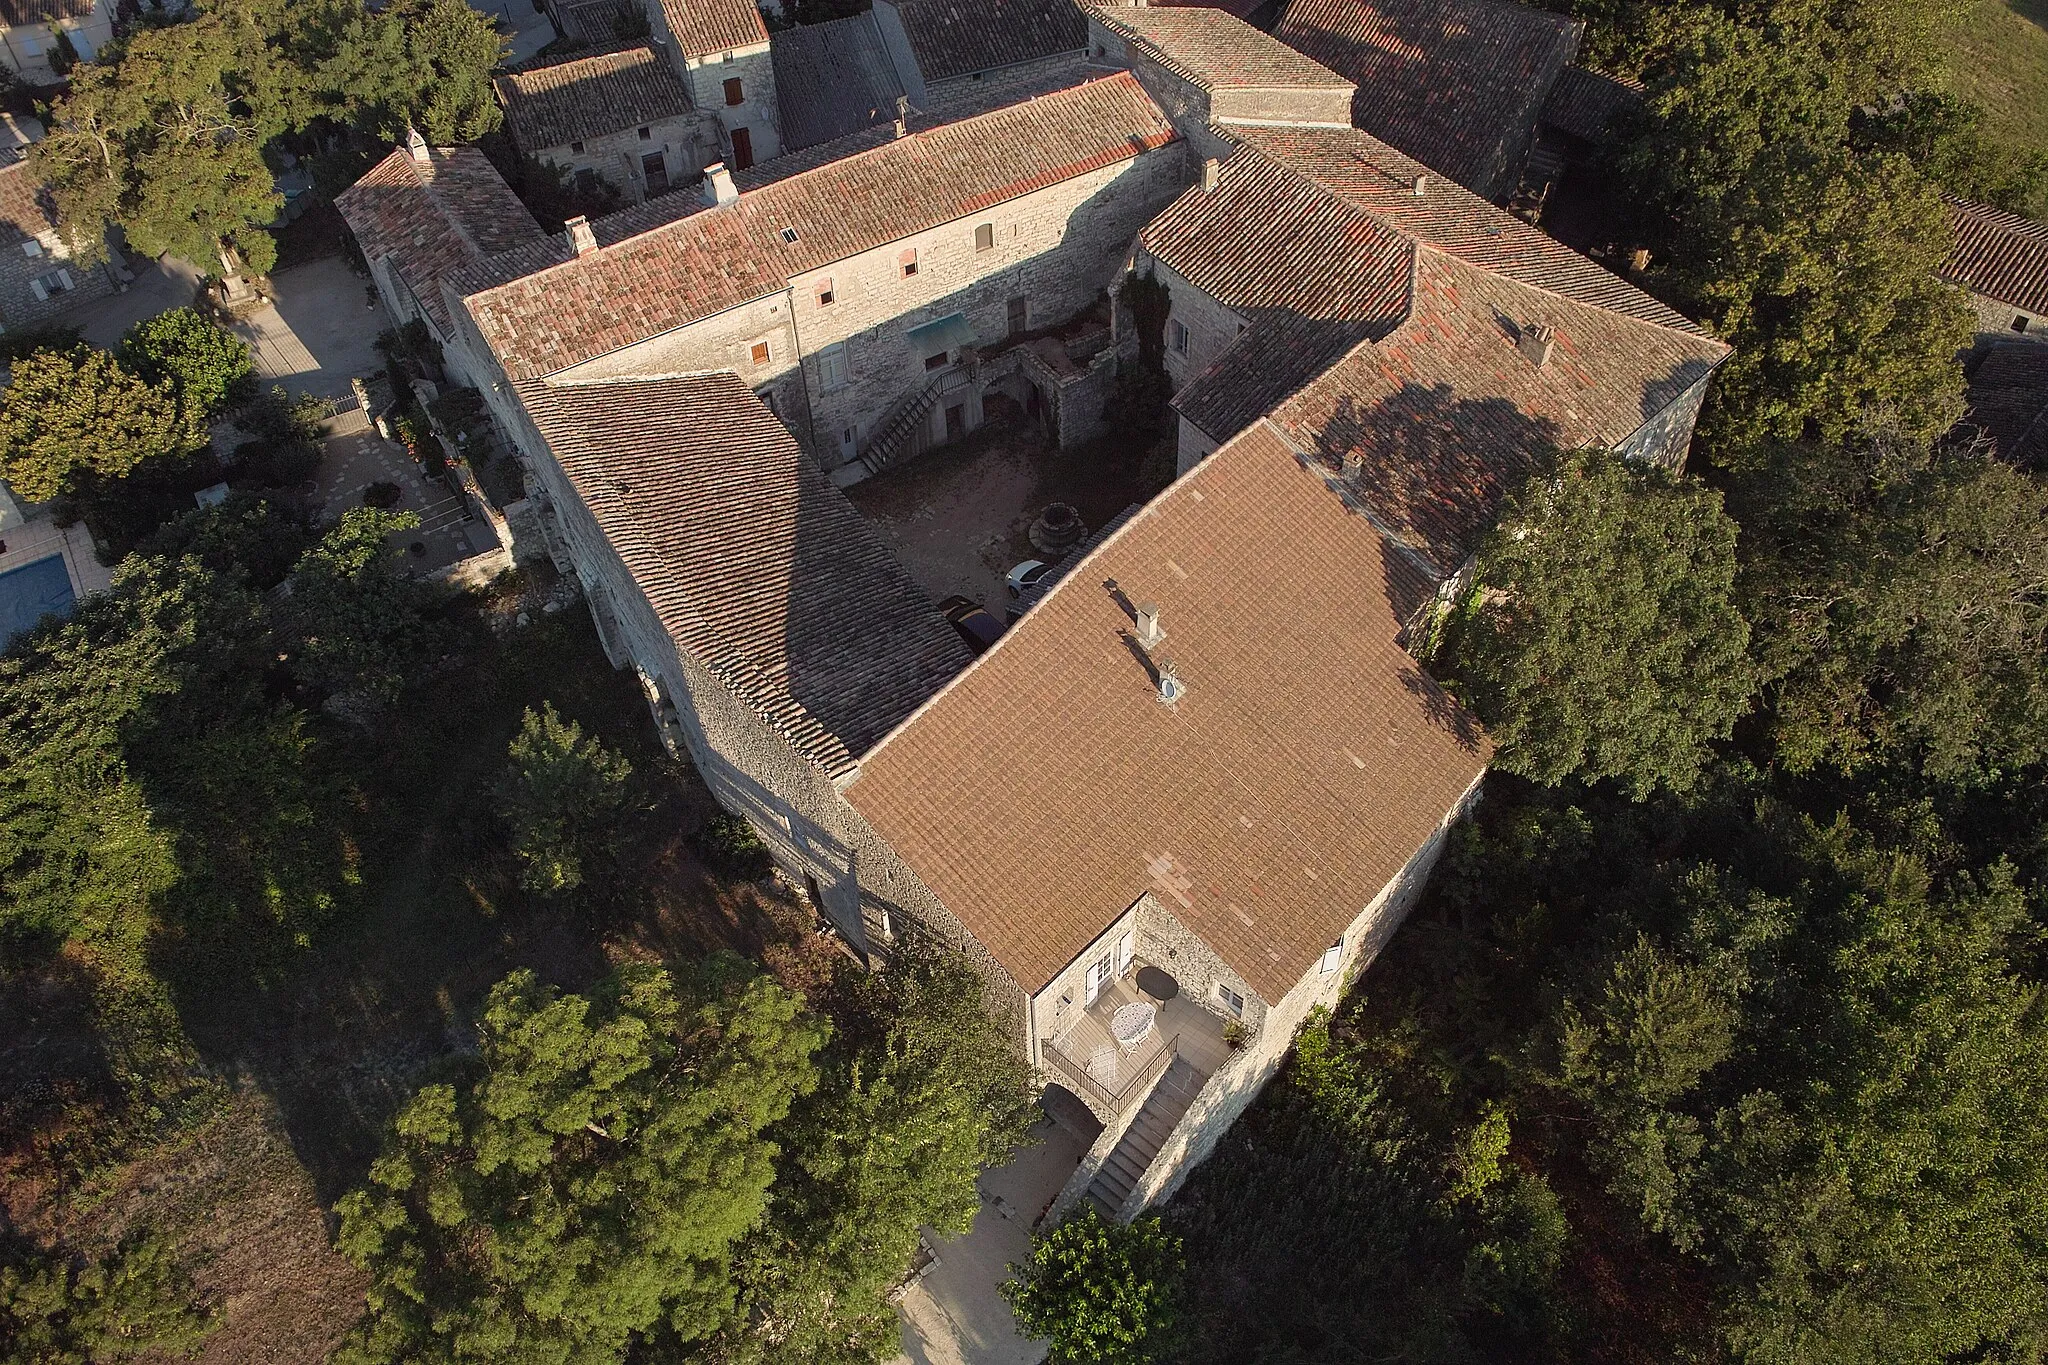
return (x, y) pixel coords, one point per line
(1088, 1058)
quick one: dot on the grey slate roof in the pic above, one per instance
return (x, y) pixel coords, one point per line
(1585, 103)
(833, 79)
(757, 566)
(2009, 402)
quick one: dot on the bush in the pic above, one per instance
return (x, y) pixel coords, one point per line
(730, 845)
(383, 493)
(562, 800)
(1101, 1293)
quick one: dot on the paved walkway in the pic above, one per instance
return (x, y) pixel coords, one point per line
(355, 459)
(318, 332)
(159, 286)
(532, 30)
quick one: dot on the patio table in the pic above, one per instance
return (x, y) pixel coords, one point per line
(1130, 1024)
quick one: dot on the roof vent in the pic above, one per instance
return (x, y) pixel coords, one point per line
(1149, 633)
(580, 235)
(417, 145)
(789, 235)
(1536, 342)
(718, 186)
(1171, 688)
(1421, 186)
(1212, 171)
(902, 115)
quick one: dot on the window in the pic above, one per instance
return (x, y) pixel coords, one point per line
(733, 93)
(825, 294)
(1180, 337)
(1333, 958)
(2019, 324)
(647, 135)
(1232, 1001)
(1020, 310)
(576, 147)
(31, 247)
(832, 367)
(936, 362)
(984, 236)
(908, 260)
(56, 282)
(761, 353)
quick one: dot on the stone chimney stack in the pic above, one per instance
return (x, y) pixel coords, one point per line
(580, 235)
(416, 145)
(903, 116)
(718, 186)
(1536, 342)
(1149, 633)
(1212, 171)
(1421, 186)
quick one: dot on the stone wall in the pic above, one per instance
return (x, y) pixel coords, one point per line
(685, 145)
(1212, 328)
(1666, 437)
(757, 112)
(2007, 323)
(1318, 107)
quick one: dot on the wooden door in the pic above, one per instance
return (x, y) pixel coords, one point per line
(742, 149)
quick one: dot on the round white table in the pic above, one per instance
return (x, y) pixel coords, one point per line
(1130, 1024)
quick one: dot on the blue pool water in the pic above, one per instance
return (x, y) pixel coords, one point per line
(31, 592)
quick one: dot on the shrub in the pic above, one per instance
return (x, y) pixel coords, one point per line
(383, 493)
(1101, 1293)
(730, 845)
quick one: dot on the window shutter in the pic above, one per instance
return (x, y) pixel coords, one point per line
(65, 276)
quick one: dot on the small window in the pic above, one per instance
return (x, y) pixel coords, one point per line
(936, 362)
(1232, 1001)
(832, 367)
(2019, 324)
(647, 135)
(908, 260)
(825, 294)
(733, 93)
(576, 147)
(761, 353)
(984, 236)
(1020, 314)
(1180, 337)
(1333, 958)
(789, 236)
(31, 247)
(767, 397)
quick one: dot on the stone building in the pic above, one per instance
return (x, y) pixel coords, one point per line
(624, 117)
(39, 280)
(1455, 84)
(2002, 259)
(937, 43)
(34, 32)
(1202, 760)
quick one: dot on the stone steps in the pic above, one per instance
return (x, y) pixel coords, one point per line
(894, 434)
(1135, 1150)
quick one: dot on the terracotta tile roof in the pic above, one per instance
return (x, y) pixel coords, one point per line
(1998, 254)
(1048, 787)
(704, 27)
(14, 13)
(1215, 50)
(1360, 168)
(590, 23)
(1449, 415)
(755, 563)
(433, 220)
(833, 79)
(716, 259)
(2009, 402)
(26, 208)
(586, 97)
(1243, 9)
(958, 37)
(1454, 83)
(1585, 103)
(1311, 276)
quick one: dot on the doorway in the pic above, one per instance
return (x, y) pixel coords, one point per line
(655, 169)
(956, 421)
(742, 149)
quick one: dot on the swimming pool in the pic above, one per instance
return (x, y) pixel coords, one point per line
(30, 593)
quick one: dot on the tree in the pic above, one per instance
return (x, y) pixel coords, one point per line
(203, 363)
(135, 1302)
(562, 799)
(1599, 638)
(920, 1091)
(1100, 1292)
(68, 414)
(584, 1191)
(359, 625)
(422, 64)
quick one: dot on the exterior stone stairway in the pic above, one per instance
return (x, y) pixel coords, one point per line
(894, 434)
(1126, 1163)
(443, 512)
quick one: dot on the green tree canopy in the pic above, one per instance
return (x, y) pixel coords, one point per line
(205, 364)
(562, 799)
(358, 622)
(135, 1302)
(585, 1191)
(1600, 638)
(77, 413)
(1101, 1293)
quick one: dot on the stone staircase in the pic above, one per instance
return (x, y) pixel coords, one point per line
(897, 430)
(442, 513)
(1134, 1151)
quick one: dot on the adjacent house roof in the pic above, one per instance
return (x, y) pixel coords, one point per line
(704, 27)
(952, 38)
(1998, 254)
(1216, 50)
(832, 79)
(754, 562)
(2009, 403)
(714, 259)
(587, 97)
(26, 208)
(1453, 83)
(436, 218)
(1048, 787)
(1585, 103)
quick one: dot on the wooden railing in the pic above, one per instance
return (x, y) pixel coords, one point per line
(1074, 1074)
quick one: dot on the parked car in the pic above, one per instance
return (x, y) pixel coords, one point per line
(976, 627)
(1026, 575)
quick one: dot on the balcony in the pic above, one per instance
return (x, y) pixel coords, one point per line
(1088, 1059)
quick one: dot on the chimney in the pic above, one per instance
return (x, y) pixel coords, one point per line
(902, 115)
(718, 186)
(1149, 632)
(1639, 260)
(1212, 169)
(1171, 688)
(1354, 464)
(1421, 186)
(417, 145)
(580, 235)
(1536, 342)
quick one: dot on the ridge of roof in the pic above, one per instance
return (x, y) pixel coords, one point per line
(704, 27)
(590, 95)
(1216, 50)
(949, 39)
(1998, 254)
